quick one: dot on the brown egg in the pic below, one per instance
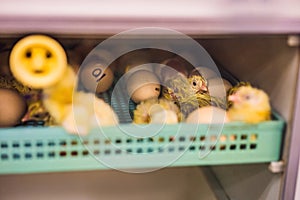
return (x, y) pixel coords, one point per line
(171, 68)
(207, 115)
(206, 72)
(12, 107)
(142, 85)
(96, 77)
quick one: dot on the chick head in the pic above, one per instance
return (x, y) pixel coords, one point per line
(249, 97)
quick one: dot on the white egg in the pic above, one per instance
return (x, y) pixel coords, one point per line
(96, 77)
(208, 115)
(142, 85)
(218, 86)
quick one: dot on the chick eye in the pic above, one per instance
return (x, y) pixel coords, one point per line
(194, 83)
(247, 97)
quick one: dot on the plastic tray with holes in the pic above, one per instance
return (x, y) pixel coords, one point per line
(51, 149)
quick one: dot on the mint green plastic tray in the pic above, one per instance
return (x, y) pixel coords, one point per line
(32, 150)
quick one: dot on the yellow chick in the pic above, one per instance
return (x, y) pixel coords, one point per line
(157, 111)
(57, 98)
(249, 105)
(86, 112)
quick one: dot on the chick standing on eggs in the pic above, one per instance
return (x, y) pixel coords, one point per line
(249, 105)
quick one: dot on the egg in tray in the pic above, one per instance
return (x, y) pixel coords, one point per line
(146, 100)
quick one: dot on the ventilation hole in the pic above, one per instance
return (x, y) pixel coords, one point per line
(118, 141)
(39, 144)
(202, 138)
(4, 145)
(171, 139)
(161, 139)
(85, 142)
(118, 151)
(51, 144)
(85, 153)
(74, 142)
(243, 146)
(129, 140)
(51, 154)
(253, 146)
(107, 152)
(160, 150)
(181, 139)
(150, 150)
(233, 137)
(4, 157)
(253, 137)
(232, 147)
(244, 137)
(74, 153)
(39, 155)
(201, 147)
(213, 138)
(150, 139)
(140, 140)
(212, 148)
(222, 147)
(223, 138)
(62, 153)
(96, 152)
(139, 150)
(181, 148)
(16, 156)
(129, 150)
(27, 144)
(96, 142)
(192, 148)
(63, 143)
(15, 145)
(28, 155)
(192, 138)
(171, 149)
(107, 141)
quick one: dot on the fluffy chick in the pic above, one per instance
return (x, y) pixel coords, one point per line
(76, 111)
(157, 111)
(249, 105)
(58, 97)
(86, 112)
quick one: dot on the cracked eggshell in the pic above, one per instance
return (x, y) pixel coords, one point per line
(142, 85)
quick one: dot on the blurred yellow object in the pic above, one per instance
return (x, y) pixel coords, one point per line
(38, 61)
(157, 111)
(249, 105)
(58, 97)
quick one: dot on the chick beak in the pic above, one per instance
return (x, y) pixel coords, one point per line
(234, 98)
(203, 88)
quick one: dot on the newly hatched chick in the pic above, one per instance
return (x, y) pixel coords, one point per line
(86, 112)
(157, 111)
(249, 105)
(198, 84)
